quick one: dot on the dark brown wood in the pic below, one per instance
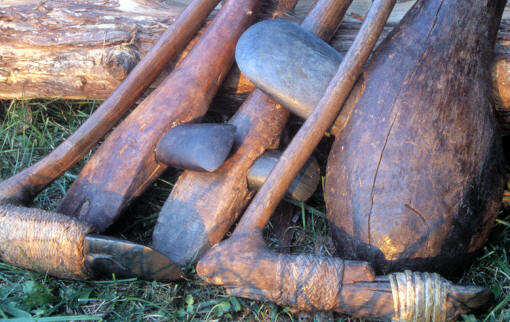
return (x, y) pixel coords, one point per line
(125, 164)
(302, 145)
(28, 183)
(206, 205)
(247, 268)
(415, 179)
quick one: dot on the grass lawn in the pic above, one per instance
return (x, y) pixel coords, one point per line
(31, 129)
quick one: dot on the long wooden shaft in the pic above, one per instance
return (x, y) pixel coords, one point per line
(246, 267)
(211, 202)
(299, 150)
(125, 164)
(28, 183)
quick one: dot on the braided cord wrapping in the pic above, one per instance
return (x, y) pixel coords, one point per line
(315, 283)
(43, 241)
(419, 296)
(303, 280)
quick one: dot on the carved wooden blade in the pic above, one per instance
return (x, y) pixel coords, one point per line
(303, 186)
(106, 256)
(288, 63)
(199, 147)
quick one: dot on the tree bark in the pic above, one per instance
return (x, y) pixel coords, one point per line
(83, 49)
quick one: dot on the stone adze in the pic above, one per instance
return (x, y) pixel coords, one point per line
(54, 244)
(24, 186)
(416, 179)
(125, 164)
(196, 146)
(290, 65)
(203, 206)
(247, 268)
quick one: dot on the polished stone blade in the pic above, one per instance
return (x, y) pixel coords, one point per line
(196, 146)
(302, 187)
(105, 256)
(288, 63)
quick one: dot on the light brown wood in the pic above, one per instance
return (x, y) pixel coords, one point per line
(29, 182)
(83, 49)
(80, 49)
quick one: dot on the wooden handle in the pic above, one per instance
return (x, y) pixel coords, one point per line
(415, 179)
(43, 241)
(248, 269)
(125, 164)
(207, 204)
(307, 138)
(27, 184)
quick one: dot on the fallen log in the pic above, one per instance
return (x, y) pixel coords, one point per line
(84, 49)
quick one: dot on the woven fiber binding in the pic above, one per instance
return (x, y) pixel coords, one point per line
(419, 296)
(43, 241)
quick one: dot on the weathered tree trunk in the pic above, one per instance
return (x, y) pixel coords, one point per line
(83, 49)
(78, 49)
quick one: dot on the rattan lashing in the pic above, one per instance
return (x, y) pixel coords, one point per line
(43, 241)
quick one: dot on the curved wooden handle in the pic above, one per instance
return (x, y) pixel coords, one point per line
(44, 241)
(207, 204)
(305, 282)
(125, 164)
(27, 184)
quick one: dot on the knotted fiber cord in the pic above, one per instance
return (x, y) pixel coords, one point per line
(419, 296)
(44, 241)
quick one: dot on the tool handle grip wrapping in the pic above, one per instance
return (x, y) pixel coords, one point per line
(315, 282)
(304, 282)
(43, 241)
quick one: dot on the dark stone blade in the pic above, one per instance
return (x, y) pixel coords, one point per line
(105, 256)
(199, 147)
(288, 63)
(302, 187)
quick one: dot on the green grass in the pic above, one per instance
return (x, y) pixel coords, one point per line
(31, 129)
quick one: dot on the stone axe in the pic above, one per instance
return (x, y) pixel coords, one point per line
(415, 180)
(203, 206)
(126, 163)
(247, 268)
(60, 246)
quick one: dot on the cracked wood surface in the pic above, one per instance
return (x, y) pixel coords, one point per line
(85, 48)
(415, 179)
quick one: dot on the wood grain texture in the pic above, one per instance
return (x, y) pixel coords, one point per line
(206, 204)
(415, 178)
(78, 49)
(125, 164)
(25, 185)
(83, 49)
